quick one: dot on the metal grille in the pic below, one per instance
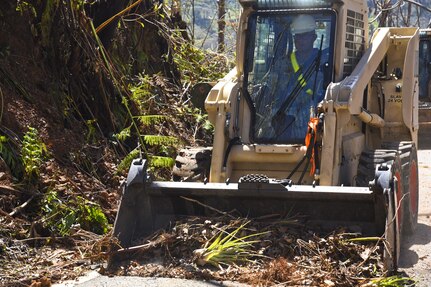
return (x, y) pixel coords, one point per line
(355, 40)
(255, 178)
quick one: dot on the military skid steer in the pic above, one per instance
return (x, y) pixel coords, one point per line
(315, 119)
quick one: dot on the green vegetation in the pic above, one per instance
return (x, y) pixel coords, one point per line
(9, 156)
(33, 153)
(199, 65)
(91, 217)
(125, 163)
(226, 248)
(392, 281)
(24, 6)
(60, 216)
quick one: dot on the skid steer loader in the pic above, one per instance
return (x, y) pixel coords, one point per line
(334, 141)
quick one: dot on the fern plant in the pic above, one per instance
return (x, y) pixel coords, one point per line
(141, 92)
(156, 140)
(61, 215)
(91, 217)
(91, 130)
(123, 134)
(197, 64)
(33, 153)
(151, 119)
(160, 144)
(162, 162)
(127, 161)
(58, 217)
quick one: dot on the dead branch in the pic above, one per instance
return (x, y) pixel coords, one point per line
(419, 5)
(4, 188)
(22, 206)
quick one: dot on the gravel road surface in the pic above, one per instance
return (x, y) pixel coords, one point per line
(415, 258)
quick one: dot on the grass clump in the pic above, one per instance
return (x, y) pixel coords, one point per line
(226, 248)
(391, 281)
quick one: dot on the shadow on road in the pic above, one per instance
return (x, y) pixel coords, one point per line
(424, 144)
(424, 137)
(422, 236)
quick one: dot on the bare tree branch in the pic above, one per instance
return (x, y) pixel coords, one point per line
(418, 4)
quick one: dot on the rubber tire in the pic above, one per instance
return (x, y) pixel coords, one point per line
(367, 164)
(192, 164)
(407, 169)
(409, 174)
(408, 155)
(397, 237)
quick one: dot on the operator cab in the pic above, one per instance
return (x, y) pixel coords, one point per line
(283, 88)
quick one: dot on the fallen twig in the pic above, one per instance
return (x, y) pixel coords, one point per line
(22, 206)
(9, 189)
(141, 247)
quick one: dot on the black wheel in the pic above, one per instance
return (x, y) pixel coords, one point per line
(192, 164)
(410, 200)
(367, 164)
(371, 165)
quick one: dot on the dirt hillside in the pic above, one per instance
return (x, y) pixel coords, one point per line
(73, 167)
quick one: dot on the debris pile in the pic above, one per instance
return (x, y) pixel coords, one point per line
(256, 252)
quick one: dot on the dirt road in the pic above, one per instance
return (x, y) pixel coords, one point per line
(415, 258)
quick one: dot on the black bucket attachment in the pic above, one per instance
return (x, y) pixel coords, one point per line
(148, 206)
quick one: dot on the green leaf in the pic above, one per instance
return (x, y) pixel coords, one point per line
(154, 140)
(161, 161)
(123, 135)
(152, 119)
(127, 161)
(228, 249)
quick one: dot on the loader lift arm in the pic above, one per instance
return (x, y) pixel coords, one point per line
(349, 93)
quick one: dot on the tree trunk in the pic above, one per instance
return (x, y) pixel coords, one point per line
(101, 11)
(409, 12)
(221, 25)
